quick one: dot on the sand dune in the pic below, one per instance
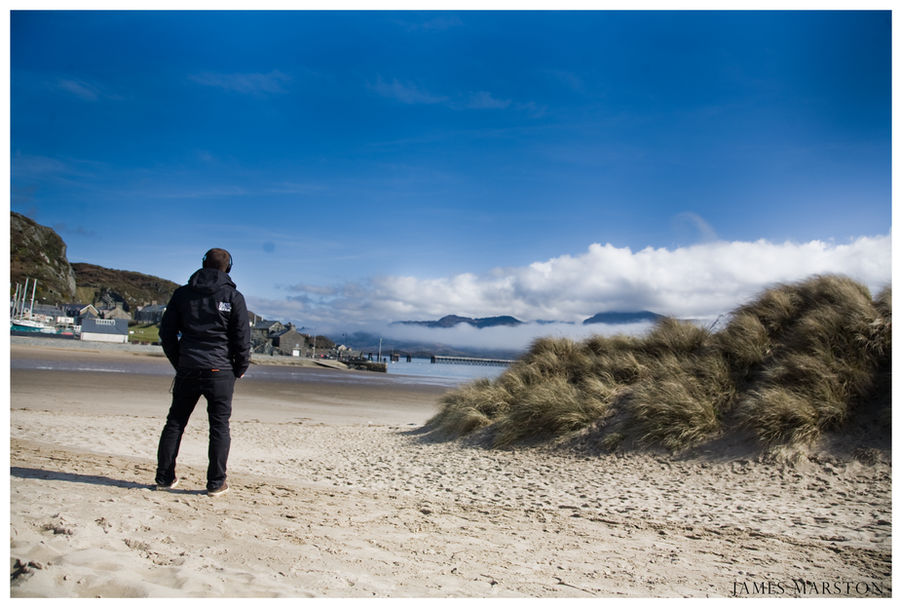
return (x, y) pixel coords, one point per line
(337, 494)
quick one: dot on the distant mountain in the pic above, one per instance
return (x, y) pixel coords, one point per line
(608, 318)
(369, 343)
(452, 320)
(622, 318)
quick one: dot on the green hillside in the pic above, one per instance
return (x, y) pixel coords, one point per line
(132, 288)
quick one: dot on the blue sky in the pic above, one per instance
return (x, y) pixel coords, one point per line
(378, 166)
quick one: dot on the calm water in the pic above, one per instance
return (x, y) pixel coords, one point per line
(458, 374)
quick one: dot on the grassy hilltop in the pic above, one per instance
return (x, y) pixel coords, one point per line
(800, 360)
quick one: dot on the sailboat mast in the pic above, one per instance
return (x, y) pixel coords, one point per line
(24, 295)
(33, 289)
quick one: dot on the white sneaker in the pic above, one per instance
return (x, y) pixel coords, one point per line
(217, 492)
(171, 485)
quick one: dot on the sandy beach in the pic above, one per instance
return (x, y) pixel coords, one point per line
(336, 492)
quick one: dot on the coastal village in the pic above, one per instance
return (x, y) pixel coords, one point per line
(114, 306)
(108, 320)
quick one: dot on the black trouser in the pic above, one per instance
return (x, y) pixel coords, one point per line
(218, 388)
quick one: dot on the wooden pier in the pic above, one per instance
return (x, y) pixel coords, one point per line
(466, 360)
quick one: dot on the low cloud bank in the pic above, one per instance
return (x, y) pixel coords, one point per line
(699, 282)
(517, 338)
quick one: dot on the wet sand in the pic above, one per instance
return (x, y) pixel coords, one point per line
(336, 492)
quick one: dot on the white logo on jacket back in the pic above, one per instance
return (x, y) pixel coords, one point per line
(224, 306)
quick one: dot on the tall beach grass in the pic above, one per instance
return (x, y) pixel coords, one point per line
(799, 360)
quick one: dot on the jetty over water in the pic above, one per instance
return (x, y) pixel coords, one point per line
(467, 360)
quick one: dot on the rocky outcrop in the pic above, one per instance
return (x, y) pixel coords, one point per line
(38, 253)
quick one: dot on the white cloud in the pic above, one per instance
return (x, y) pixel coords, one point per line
(699, 281)
(413, 94)
(569, 79)
(293, 187)
(212, 191)
(691, 222)
(83, 89)
(79, 88)
(439, 23)
(504, 337)
(28, 165)
(405, 92)
(483, 100)
(248, 83)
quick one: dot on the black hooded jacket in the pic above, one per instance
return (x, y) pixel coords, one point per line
(211, 316)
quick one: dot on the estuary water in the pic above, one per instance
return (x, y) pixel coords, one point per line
(455, 374)
(420, 371)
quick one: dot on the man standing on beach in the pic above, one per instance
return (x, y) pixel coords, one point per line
(205, 334)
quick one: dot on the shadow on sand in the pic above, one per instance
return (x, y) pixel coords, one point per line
(91, 479)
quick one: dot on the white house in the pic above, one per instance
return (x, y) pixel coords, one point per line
(113, 330)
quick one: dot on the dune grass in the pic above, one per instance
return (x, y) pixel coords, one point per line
(797, 361)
